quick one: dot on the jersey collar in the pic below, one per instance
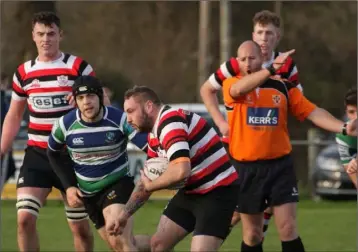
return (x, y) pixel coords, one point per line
(50, 62)
(158, 118)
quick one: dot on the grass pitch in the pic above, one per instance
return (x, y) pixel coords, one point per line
(323, 226)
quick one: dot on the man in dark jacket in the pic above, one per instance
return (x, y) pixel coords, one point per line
(7, 163)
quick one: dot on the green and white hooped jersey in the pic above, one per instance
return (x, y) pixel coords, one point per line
(347, 148)
(99, 150)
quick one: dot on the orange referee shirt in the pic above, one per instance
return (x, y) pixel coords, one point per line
(258, 120)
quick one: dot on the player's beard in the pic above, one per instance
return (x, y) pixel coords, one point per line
(146, 125)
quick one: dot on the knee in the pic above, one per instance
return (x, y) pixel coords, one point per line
(235, 219)
(157, 244)
(287, 230)
(121, 244)
(26, 221)
(114, 244)
(253, 236)
(28, 208)
(81, 229)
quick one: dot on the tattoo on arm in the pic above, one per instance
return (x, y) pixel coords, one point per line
(138, 198)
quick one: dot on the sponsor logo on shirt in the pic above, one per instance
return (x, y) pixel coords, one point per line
(262, 116)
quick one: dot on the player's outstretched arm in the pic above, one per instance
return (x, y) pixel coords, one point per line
(323, 119)
(251, 81)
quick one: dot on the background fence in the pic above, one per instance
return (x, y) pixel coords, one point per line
(313, 144)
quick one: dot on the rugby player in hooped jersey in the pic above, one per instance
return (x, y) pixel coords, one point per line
(96, 138)
(260, 147)
(43, 84)
(205, 203)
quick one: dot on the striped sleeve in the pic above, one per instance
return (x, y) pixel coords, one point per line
(83, 68)
(56, 140)
(173, 135)
(18, 92)
(293, 77)
(227, 70)
(289, 71)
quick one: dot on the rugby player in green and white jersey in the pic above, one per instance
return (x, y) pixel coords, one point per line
(347, 145)
(96, 138)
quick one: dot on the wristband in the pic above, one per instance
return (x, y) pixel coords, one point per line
(271, 69)
(344, 129)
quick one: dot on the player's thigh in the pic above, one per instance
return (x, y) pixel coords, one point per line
(112, 211)
(115, 196)
(204, 243)
(33, 184)
(125, 240)
(103, 234)
(175, 223)
(169, 233)
(214, 211)
(252, 187)
(36, 170)
(29, 202)
(93, 206)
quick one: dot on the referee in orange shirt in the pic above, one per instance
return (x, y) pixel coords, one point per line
(259, 103)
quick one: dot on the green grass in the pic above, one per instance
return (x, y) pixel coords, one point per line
(323, 226)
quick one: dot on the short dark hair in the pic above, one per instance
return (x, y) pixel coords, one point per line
(351, 97)
(47, 18)
(145, 93)
(266, 17)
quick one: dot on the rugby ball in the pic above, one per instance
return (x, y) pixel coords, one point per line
(155, 167)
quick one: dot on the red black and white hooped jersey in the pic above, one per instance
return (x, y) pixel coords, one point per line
(230, 69)
(45, 85)
(183, 135)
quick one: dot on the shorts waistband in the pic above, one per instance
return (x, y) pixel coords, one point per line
(264, 161)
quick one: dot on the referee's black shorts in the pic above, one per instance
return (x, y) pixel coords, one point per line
(266, 183)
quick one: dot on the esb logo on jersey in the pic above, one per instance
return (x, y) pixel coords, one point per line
(262, 116)
(44, 102)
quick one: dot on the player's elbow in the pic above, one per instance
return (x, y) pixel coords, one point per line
(207, 90)
(12, 123)
(236, 91)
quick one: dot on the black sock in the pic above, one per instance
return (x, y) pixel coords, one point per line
(295, 245)
(246, 248)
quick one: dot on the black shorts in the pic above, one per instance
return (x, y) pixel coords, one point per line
(36, 170)
(266, 183)
(205, 214)
(118, 193)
